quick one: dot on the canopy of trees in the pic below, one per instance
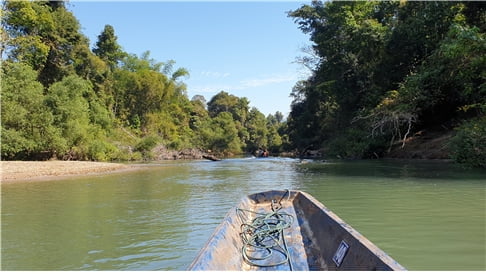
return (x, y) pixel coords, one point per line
(62, 99)
(382, 70)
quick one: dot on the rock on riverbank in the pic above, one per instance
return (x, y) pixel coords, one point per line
(163, 153)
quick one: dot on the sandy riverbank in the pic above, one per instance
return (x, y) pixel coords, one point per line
(24, 171)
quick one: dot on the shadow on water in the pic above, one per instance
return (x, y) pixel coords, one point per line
(425, 169)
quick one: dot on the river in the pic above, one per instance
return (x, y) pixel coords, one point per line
(427, 215)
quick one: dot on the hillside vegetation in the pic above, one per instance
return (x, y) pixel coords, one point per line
(61, 99)
(382, 72)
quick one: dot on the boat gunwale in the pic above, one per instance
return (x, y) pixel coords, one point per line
(294, 196)
(215, 232)
(378, 252)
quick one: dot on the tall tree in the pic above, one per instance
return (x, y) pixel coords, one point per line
(45, 35)
(257, 129)
(26, 25)
(63, 43)
(107, 47)
(417, 28)
(222, 102)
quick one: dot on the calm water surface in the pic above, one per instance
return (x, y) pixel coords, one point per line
(426, 215)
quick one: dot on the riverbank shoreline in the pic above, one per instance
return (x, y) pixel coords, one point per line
(28, 171)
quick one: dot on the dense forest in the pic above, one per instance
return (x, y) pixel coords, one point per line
(381, 72)
(61, 99)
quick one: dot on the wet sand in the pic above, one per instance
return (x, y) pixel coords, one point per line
(25, 171)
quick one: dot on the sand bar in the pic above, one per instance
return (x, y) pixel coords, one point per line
(24, 171)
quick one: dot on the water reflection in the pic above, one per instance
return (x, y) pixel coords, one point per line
(159, 218)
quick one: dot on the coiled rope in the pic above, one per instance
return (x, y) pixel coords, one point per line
(263, 240)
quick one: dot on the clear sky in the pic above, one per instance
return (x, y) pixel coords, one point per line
(247, 48)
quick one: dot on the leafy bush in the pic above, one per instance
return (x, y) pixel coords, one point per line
(469, 145)
(103, 151)
(26, 123)
(146, 145)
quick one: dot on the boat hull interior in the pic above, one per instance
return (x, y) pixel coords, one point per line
(316, 239)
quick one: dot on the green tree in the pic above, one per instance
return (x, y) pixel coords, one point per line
(63, 41)
(79, 104)
(27, 123)
(275, 127)
(221, 134)
(238, 107)
(26, 25)
(67, 100)
(222, 102)
(141, 89)
(417, 28)
(107, 47)
(45, 35)
(257, 129)
(279, 117)
(349, 40)
(274, 140)
(468, 146)
(387, 68)
(446, 86)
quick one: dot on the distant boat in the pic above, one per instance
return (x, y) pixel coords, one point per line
(261, 153)
(288, 230)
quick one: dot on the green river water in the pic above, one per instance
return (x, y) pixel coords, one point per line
(427, 215)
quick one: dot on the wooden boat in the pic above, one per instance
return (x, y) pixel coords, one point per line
(309, 237)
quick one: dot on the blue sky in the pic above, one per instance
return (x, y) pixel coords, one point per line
(247, 49)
